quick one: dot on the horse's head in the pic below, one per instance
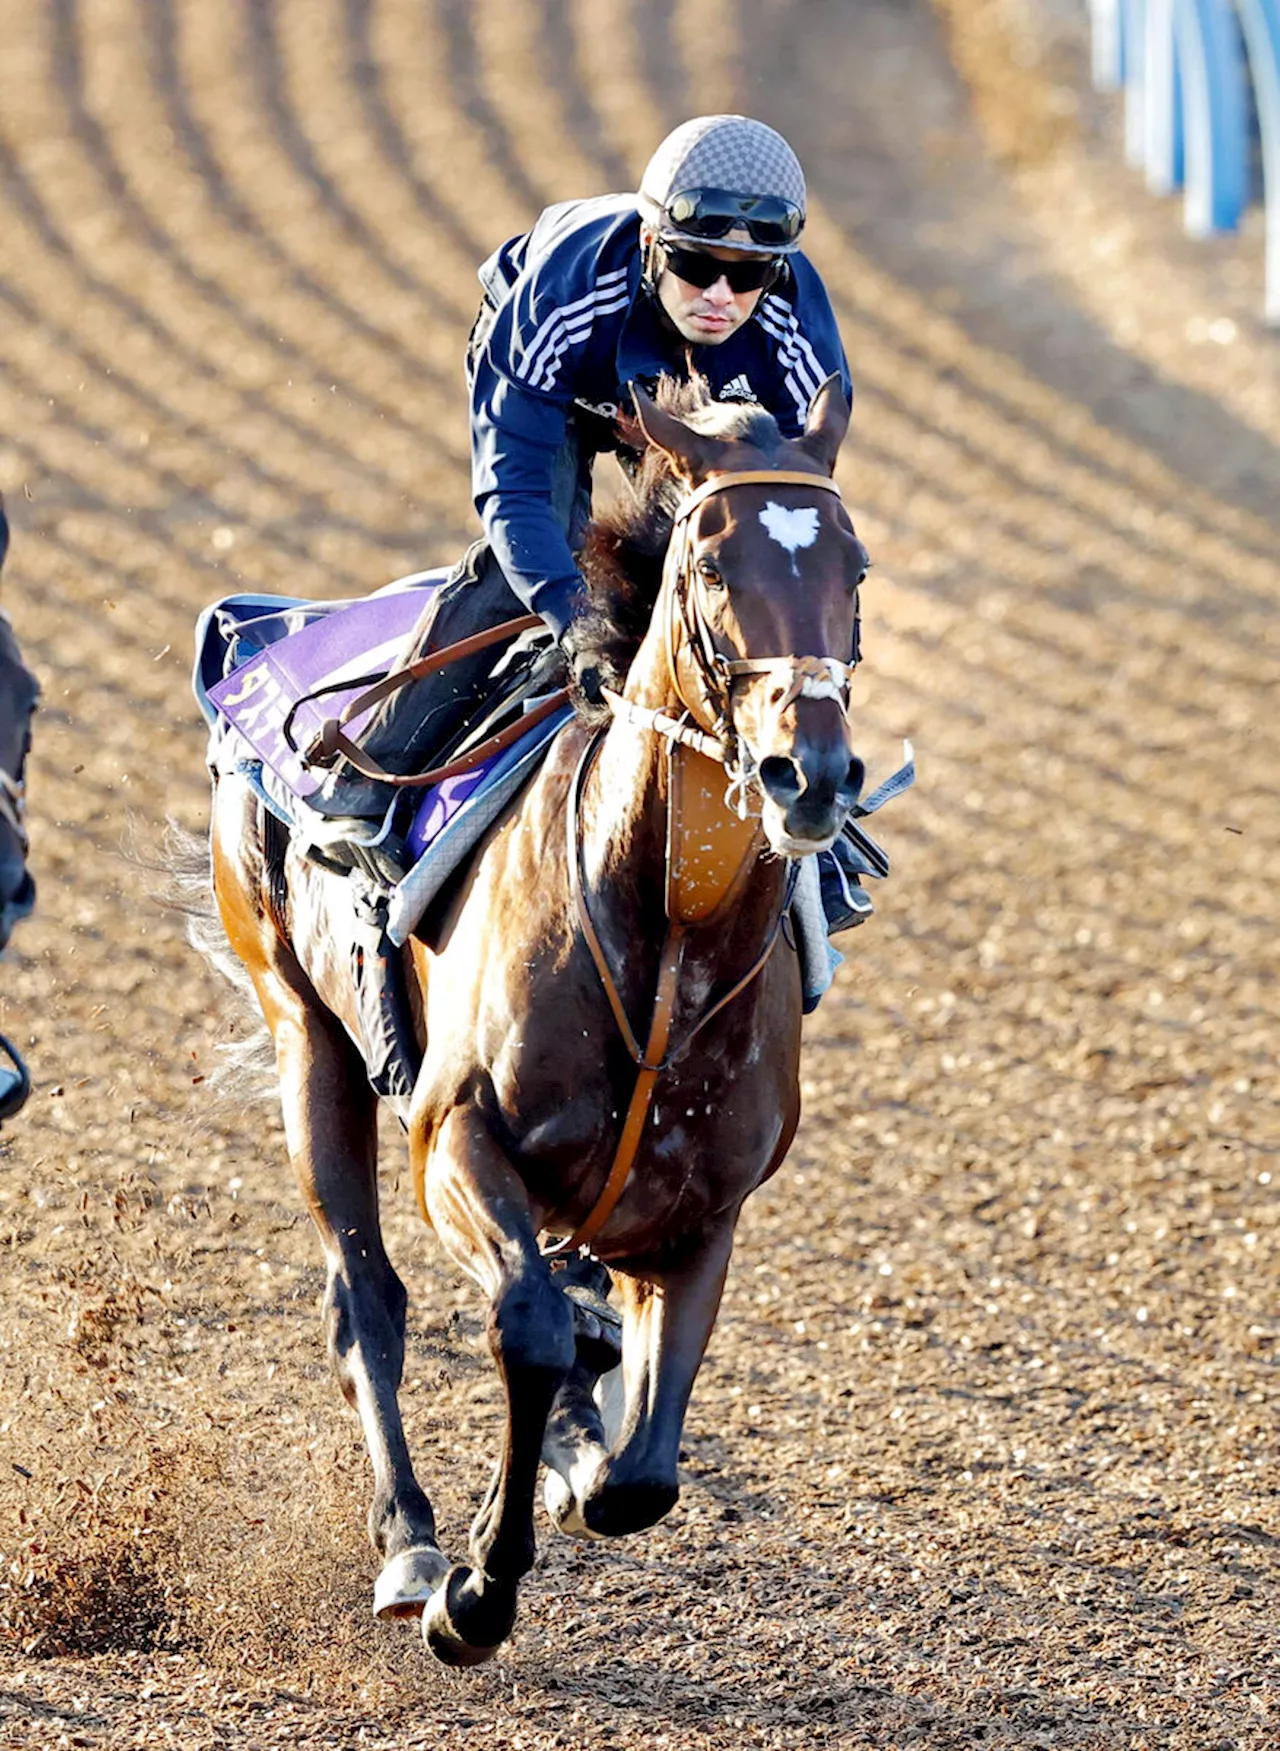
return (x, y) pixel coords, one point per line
(18, 695)
(759, 603)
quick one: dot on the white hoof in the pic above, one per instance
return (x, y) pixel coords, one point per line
(408, 1581)
(562, 1506)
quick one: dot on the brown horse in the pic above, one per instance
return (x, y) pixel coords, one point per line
(548, 1104)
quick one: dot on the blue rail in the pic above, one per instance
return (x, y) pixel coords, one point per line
(1186, 68)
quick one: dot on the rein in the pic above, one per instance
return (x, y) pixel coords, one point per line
(331, 739)
(714, 886)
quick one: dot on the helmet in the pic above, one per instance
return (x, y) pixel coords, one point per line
(715, 174)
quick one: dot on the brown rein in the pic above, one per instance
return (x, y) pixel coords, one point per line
(331, 739)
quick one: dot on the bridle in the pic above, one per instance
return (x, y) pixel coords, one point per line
(706, 723)
(705, 727)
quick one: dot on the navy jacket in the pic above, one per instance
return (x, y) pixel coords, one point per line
(573, 327)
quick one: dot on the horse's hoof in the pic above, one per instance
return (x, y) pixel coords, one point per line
(460, 1625)
(617, 1509)
(408, 1581)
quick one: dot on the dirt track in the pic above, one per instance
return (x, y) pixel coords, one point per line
(985, 1451)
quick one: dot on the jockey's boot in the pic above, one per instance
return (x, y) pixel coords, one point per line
(413, 724)
(845, 902)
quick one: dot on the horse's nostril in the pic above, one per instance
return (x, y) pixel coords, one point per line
(854, 780)
(780, 778)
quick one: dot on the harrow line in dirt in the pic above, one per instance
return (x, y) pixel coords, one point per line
(423, 207)
(707, 36)
(465, 78)
(229, 154)
(561, 54)
(948, 415)
(297, 46)
(445, 138)
(533, 115)
(622, 66)
(74, 450)
(212, 298)
(1043, 412)
(39, 270)
(1008, 545)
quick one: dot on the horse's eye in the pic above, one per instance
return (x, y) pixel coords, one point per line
(710, 572)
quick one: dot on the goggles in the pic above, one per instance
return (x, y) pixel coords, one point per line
(696, 268)
(712, 213)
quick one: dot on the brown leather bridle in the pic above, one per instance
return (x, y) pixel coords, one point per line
(684, 616)
(684, 619)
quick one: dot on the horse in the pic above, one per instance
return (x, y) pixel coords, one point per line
(19, 693)
(625, 881)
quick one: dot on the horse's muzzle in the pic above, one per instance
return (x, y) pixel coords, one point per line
(812, 794)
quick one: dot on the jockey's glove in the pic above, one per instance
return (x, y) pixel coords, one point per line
(591, 665)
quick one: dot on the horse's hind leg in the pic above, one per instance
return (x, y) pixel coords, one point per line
(330, 1116)
(480, 1210)
(330, 1122)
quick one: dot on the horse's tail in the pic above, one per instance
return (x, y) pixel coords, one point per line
(248, 1066)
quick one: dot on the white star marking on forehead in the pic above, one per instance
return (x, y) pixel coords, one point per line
(791, 528)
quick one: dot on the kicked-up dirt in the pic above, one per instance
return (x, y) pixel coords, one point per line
(985, 1451)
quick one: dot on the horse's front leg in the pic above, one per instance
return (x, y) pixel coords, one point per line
(479, 1208)
(669, 1312)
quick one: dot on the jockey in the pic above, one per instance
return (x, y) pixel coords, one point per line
(701, 271)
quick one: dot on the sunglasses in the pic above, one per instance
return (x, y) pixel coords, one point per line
(698, 269)
(711, 213)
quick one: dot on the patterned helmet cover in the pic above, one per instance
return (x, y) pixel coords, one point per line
(734, 153)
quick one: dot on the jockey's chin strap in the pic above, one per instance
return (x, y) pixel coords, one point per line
(807, 677)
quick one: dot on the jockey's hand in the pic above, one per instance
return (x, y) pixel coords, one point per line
(592, 667)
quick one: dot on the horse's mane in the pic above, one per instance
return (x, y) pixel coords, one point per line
(626, 545)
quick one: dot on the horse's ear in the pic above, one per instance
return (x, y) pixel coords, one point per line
(692, 453)
(828, 421)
